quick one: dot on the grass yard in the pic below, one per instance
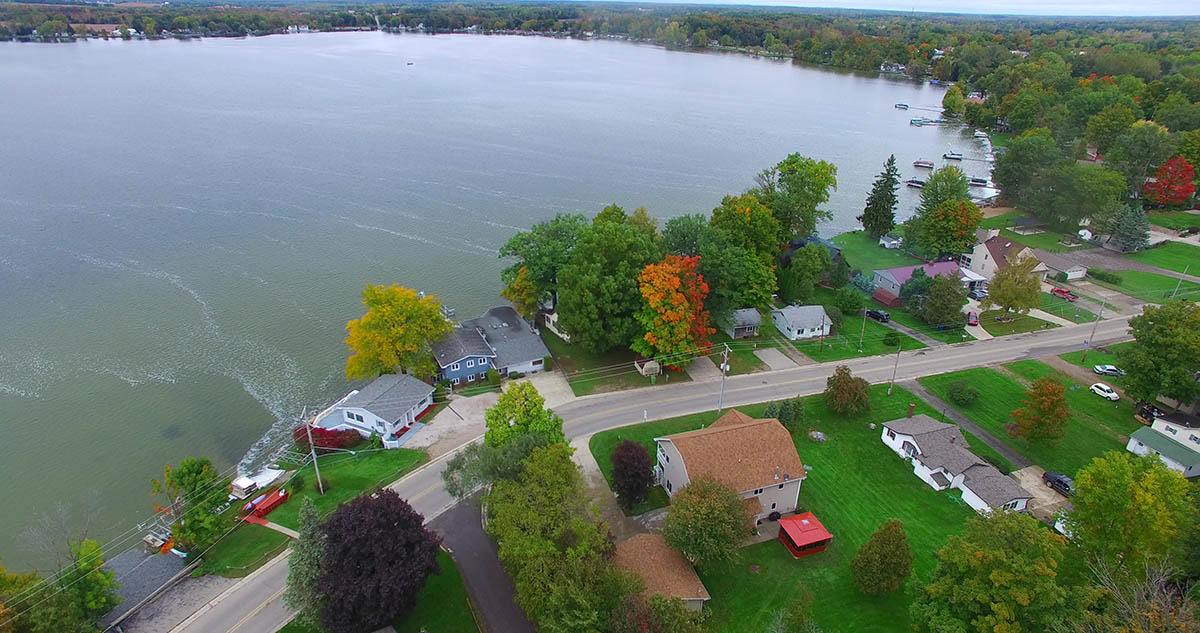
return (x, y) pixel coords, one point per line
(245, 549)
(1150, 287)
(1174, 256)
(844, 344)
(864, 253)
(1095, 426)
(1046, 240)
(741, 358)
(947, 335)
(1177, 220)
(1106, 355)
(442, 606)
(1001, 221)
(1065, 309)
(1020, 323)
(599, 373)
(348, 476)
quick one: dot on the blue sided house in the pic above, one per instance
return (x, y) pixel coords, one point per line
(499, 339)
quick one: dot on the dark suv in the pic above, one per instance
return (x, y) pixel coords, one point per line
(1059, 482)
(879, 315)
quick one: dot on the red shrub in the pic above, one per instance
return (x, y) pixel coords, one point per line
(326, 438)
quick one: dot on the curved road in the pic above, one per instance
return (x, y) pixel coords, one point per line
(254, 606)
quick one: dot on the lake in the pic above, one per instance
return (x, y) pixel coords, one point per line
(185, 225)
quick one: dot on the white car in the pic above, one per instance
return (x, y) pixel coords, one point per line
(1104, 391)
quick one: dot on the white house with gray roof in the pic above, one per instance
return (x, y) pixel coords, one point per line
(940, 457)
(388, 407)
(499, 339)
(801, 322)
(744, 323)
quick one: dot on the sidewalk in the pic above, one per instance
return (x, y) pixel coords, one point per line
(621, 526)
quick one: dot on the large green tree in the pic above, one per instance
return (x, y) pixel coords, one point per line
(1129, 229)
(598, 292)
(1014, 287)
(395, 334)
(479, 464)
(884, 562)
(521, 410)
(706, 522)
(1107, 125)
(1138, 152)
(943, 301)
(1021, 171)
(948, 228)
(793, 190)
(879, 216)
(953, 103)
(193, 491)
(1000, 574)
(88, 582)
(1164, 358)
(747, 223)
(944, 185)
(737, 278)
(799, 278)
(683, 235)
(543, 250)
(304, 569)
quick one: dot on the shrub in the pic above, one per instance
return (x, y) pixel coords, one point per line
(513, 375)
(548, 363)
(962, 393)
(882, 564)
(297, 483)
(325, 438)
(835, 317)
(772, 410)
(849, 300)
(493, 377)
(892, 339)
(1109, 276)
(847, 394)
(633, 473)
(1061, 277)
(442, 390)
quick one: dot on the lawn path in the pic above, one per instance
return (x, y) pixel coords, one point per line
(786, 346)
(932, 342)
(1018, 460)
(1001, 369)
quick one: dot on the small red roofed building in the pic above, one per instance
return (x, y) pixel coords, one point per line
(803, 535)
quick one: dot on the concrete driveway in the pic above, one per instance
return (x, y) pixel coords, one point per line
(703, 369)
(1046, 502)
(459, 422)
(552, 385)
(774, 358)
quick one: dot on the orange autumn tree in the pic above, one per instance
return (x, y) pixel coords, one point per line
(672, 311)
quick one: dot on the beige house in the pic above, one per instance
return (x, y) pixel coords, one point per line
(662, 568)
(993, 252)
(754, 457)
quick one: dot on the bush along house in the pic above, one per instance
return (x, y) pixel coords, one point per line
(389, 406)
(499, 339)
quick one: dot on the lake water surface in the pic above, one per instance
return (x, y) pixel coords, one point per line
(185, 226)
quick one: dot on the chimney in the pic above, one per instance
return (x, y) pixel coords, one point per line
(911, 407)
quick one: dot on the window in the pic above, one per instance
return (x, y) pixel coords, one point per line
(781, 486)
(358, 417)
(1012, 505)
(482, 375)
(1194, 438)
(454, 382)
(537, 362)
(668, 485)
(891, 434)
(349, 416)
(1174, 431)
(470, 362)
(772, 506)
(758, 492)
(454, 367)
(471, 378)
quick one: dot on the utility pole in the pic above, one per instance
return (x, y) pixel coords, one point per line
(895, 367)
(1087, 346)
(312, 451)
(863, 332)
(724, 368)
(1180, 282)
(822, 328)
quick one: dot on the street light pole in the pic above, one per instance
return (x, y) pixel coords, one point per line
(312, 451)
(894, 368)
(724, 368)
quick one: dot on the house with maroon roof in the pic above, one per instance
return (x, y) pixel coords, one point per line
(993, 252)
(889, 281)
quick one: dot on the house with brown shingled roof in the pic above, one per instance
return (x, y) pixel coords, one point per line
(755, 457)
(662, 568)
(993, 251)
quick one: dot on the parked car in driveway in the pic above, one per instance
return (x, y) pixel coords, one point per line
(1063, 293)
(1059, 482)
(879, 315)
(1109, 370)
(1104, 391)
(972, 318)
(977, 294)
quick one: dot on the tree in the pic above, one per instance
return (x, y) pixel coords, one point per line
(913, 291)
(849, 300)
(683, 235)
(884, 562)
(949, 228)
(1173, 183)
(378, 555)
(543, 250)
(1139, 151)
(839, 274)
(953, 102)
(1014, 287)
(599, 292)
(522, 293)
(1189, 147)
(879, 216)
(395, 334)
(706, 522)
(612, 213)
(193, 492)
(1130, 229)
(793, 190)
(672, 312)
(302, 594)
(1107, 125)
(1130, 511)
(51, 29)
(737, 278)
(88, 583)
(641, 220)
(798, 280)
(1136, 602)
(149, 27)
(1165, 355)
(942, 304)
(1021, 172)
(521, 410)
(746, 222)
(632, 474)
(847, 394)
(1000, 574)
(948, 184)
(479, 465)
(1044, 412)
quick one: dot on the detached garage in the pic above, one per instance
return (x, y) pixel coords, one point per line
(1060, 267)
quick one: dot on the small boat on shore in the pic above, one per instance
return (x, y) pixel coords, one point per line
(901, 106)
(952, 156)
(917, 122)
(980, 134)
(925, 164)
(977, 182)
(915, 182)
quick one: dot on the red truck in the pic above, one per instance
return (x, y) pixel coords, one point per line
(1064, 294)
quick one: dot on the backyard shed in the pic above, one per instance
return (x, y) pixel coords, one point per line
(803, 535)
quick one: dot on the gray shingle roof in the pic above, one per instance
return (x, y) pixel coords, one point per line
(994, 487)
(798, 317)
(1057, 262)
(916, 425)
(459, 344)
(510, 336)
(390, 396)
(747, 317)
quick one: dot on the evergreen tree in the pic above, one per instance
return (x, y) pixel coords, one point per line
(1131, 229)
(881, 565)
(879, 216)
(304, 569)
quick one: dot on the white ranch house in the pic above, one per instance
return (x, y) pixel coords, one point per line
(801, 322)
(388, 407)
(1170, 443)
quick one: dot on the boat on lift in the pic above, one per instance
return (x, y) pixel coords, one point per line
(980, 134)
(952, 156)
(901, 106)
(916, 122)
(978, 182)
(924, 164)
(915, 182)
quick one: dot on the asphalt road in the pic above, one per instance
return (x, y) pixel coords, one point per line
(254, 605)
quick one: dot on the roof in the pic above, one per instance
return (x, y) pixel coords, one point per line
(461, 343)
(389, 396)
(902, 274)
(941, 445)
(741, 452)
(139, 574)
(660, 566)
(1028, 222)
(992, 486)
(798, 317)
(509, 336)
(1002, 248)
(890, 239)
(1167, 447)
(747, 317)
(804, 529)
(1057, 262)
(1180, 418)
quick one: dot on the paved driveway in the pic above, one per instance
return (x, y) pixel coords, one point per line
(1045, 502)
(703, 369)
(774, 358)
(552, 385)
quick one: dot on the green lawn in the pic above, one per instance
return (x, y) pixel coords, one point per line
(1019, 323)
(1151, 287)
(243, 551)
(741, 358)
(1174, 256)
(1177, 220)
(598, 373)
(844, 344)
(1106, 355)
(1046, 240)
(946, 335)
(1060, 307)
(442, 606)
(865, 254)
(1001, 221)
(348, 476)
(1095, 426)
